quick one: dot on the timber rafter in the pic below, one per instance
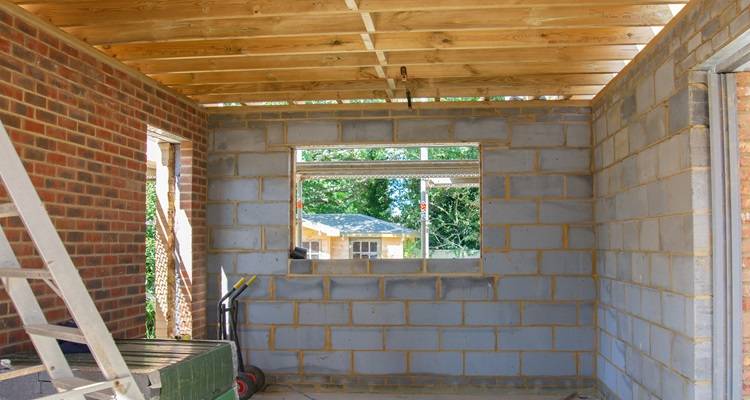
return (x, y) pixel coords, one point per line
(255, 51)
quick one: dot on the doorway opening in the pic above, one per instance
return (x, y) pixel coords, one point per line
(162, 261)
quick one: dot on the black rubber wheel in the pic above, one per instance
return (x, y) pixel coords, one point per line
(257, 375)
(246, 387)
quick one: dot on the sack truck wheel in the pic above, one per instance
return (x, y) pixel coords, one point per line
(258, 377)
(245, 387)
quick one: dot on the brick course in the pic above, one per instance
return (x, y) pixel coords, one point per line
(743, 116)
(80, 125)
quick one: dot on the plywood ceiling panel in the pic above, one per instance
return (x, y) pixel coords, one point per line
(250, 51)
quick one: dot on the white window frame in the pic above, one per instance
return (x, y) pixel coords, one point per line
(310, 252)
(369, 254)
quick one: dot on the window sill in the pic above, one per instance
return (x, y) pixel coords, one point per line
(420, 267)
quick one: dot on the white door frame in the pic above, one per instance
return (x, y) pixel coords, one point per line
(726, 216)
(726, 237)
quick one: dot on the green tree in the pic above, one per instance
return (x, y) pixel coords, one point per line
(349, 196)
(454, 220)
(360, 196)
(454, 212)
(150, 256)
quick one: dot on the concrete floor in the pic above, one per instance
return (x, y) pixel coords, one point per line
(505, 395)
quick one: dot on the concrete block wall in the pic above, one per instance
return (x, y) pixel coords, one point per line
(653, 228)
(521, 315)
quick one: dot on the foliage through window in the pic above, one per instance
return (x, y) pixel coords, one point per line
(387, 207)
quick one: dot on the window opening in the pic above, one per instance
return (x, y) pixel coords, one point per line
(407, 202)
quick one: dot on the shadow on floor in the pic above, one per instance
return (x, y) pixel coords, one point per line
(288, 393)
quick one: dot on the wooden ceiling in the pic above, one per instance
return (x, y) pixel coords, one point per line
(247, 51)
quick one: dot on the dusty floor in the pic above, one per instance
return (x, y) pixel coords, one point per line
(504, 395)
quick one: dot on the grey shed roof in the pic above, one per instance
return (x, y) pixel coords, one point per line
(357, 224)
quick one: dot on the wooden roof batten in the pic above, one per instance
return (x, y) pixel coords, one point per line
(302, 51)
(367, 39)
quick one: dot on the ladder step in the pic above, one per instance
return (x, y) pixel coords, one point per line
(58, 332)
(79, 383)
(27, 273)
(8, 210)
(88, 389)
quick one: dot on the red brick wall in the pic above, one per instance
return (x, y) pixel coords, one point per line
(743, 118)
(80, 126)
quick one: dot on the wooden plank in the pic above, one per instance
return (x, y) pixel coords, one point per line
(246, 63)
(552, 17)
(302, 25)
(66, 13)
(531, 55)
(519, 68)
(75, 383)
(19, 371)
(269, 110)
(212, 48)
(367, 40)
(421, 5)
(58, 332)
(383, 41)
(234, 28)
(408, 58)
(421, 72)
(512, 39)
(25, 273)
(88, 390)
(8, 210)
(75, 13)
(292, 96)
(485, 82)
(380, 94)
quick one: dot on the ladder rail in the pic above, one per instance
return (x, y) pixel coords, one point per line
(88, 389)
(31, 313)
(69, 283)
(74, 383)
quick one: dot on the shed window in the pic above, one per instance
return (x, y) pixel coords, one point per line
(365, 249)
(313, 249)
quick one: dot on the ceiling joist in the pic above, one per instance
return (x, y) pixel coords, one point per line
(369, 42)
(255, 51)
(406, 41)
(346, 24)
(312, 95)
(66, 13)
(438, 58)
(392, 73)
(504, 81)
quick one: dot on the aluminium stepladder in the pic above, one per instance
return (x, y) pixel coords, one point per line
(63, 278)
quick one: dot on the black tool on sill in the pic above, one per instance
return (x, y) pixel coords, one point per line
(250, 379)
(299, 253)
